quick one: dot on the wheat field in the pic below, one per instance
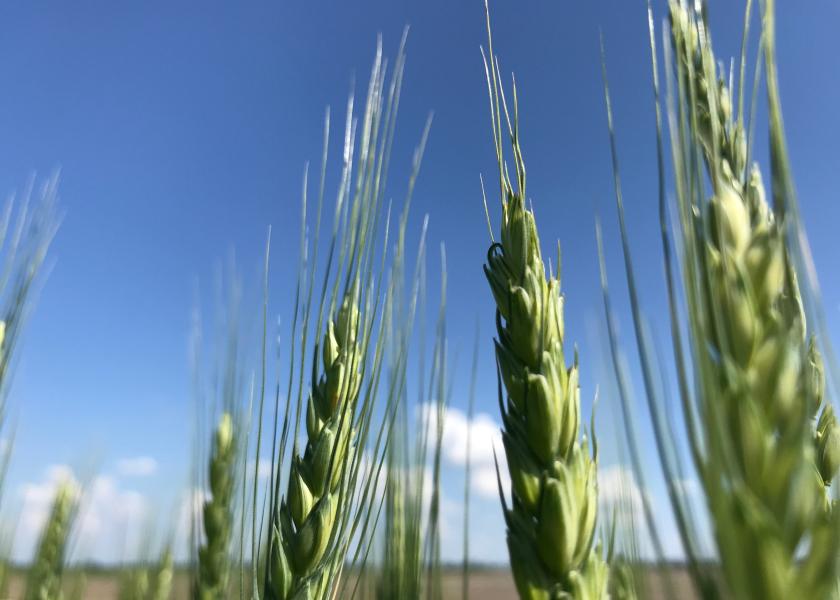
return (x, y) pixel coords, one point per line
(319, 445)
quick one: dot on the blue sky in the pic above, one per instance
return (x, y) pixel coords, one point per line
(181, 130)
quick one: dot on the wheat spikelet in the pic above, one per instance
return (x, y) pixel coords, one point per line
(551, 524)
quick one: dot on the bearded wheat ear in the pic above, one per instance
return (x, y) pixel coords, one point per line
(26, 233)
(759, 379)
(764, 464)
(218, 514)
(324, 522)
(45, 575)
(218, 450)
(411, 566)
(308, 514)
(551, 523)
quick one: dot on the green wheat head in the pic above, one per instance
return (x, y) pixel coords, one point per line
(552, 521)
(219, 449)
(308, 515)
(327, 516)
(410, 566)
(44, 578)
(763, 437)
(760, 380)
(218, 513)
(160, 582)
(26, 233)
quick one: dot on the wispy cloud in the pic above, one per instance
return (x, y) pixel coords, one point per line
(138, 466)
(36, 500)
(618, 491)
(108, 521)
(189, 514)
(263, 470)
(485, 436)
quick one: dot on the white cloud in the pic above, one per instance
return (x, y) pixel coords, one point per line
(106, 506)
(108, 518)
(485, 436)
(367, 468)
(485, 482)
(36, 502)
(618, 488)
(689, 488)
(189, 512)
(621, 501)
(621, 497)
(263, 470)
(139, 466)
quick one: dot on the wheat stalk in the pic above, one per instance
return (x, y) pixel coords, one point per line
(44, 578)
(551, 523)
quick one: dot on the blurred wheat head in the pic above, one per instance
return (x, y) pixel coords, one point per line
(214, 555)
(760, 383)
(43, 580)
(411, 545)
(761, 432)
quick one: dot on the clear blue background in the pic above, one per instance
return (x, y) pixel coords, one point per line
(181, 130)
